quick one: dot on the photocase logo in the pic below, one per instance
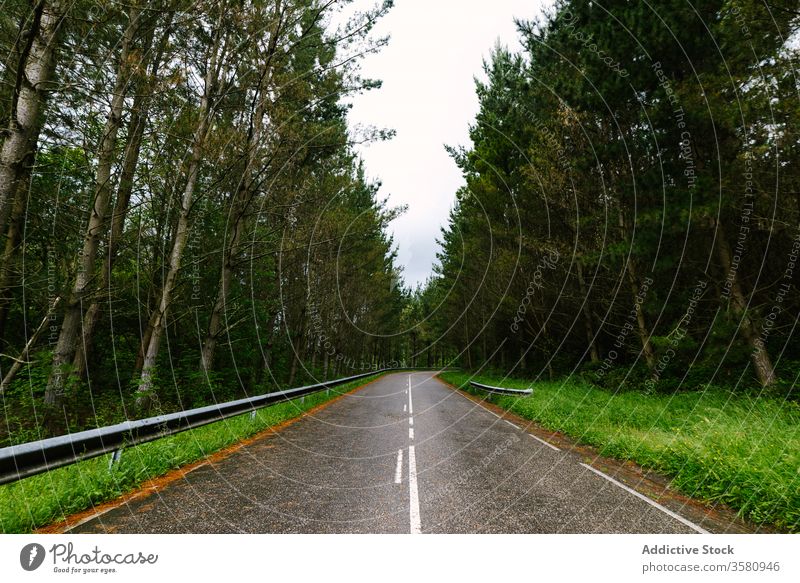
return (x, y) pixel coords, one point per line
(31, 556)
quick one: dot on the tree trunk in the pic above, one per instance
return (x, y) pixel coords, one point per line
(297, 356)
(587, 315)
(758, 354)
(70, 328)
(136, 126)
(641, 323)
(240, 202)
(34, 74)
(223, 292)
(467, 341)
(547, 353)
(20, 360)
(159, 317)
(267, 351)
(484, 332)
(13, 237)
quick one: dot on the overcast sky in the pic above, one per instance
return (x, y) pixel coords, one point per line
(428, 97)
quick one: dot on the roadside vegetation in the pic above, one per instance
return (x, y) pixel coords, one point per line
(623, 214)
(50, 497)
(184, 216)
(715, 445)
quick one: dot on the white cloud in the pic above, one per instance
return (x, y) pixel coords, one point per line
(428, 97)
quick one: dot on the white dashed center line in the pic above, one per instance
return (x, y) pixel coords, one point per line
(398, 472)
(413, 498)
(410, 402)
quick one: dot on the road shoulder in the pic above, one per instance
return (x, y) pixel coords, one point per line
(716, 518)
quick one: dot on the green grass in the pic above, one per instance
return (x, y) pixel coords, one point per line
(715, 445)
(50, 497)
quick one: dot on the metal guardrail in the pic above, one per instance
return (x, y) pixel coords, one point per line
(28, 459)
(501, 390)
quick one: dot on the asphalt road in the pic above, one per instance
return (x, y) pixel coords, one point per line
(405, 454)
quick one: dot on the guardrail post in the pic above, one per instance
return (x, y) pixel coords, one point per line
(115, 457)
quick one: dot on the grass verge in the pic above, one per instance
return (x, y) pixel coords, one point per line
(50, 497)
(715, 445)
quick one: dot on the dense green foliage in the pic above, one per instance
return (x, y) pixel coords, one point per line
(631, 207)
(715, 445)
(194, 202)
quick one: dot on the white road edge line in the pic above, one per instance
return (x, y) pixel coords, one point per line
(413, 504)
(653, 503)
(460, 394)
(512, 424)
(398, 472)
(147, 492)
(543, 442)
(411, 421)
(411, 433)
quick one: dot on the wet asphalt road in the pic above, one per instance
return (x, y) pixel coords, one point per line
(405, 454)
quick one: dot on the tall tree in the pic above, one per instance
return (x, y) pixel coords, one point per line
(84, 279)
